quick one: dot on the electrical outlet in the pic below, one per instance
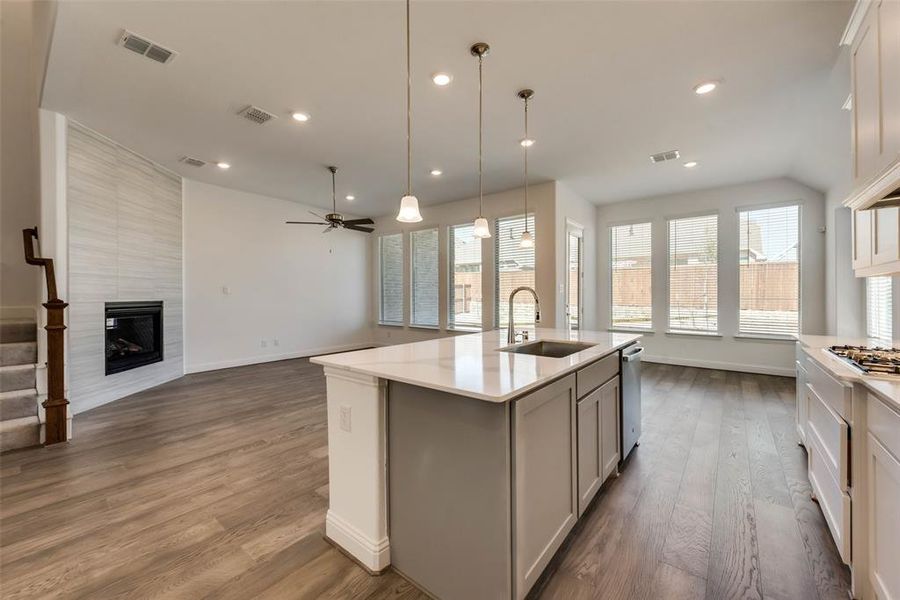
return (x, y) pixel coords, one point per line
(263, 343)
(345, 419)
(226, 291)
(275, 342)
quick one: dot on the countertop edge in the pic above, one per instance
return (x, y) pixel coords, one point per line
(839, 369)
(322, 360)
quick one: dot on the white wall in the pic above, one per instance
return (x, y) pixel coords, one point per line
(726, 352)
(541, 202)
(25, 40)
(570, 207)
(299, 291)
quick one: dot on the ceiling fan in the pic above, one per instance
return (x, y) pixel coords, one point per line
(333, 220)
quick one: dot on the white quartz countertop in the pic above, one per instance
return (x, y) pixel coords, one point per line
(884, 386)
(473, 365)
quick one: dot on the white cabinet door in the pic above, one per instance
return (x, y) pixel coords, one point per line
(884, 521)
(802, 403)
(866, 75)
(609, 426)
(890, 79)
(546, 495)
(589, 465)
(886, 235)
(862, 238)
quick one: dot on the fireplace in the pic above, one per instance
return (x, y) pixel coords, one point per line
(134, 335)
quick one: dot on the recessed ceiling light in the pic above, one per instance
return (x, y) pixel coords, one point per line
(436, 172)
(690, 164)
(351, 197)
(705, 87)
(300, 116)
(442, 79)
(526, 142)
(223, 165)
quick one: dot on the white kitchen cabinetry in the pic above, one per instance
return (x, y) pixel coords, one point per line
(609, 426)
(874, 39)
(545, 499)
(883, 460)
(802, 401)
(590, 473)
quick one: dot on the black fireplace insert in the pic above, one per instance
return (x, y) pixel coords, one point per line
(134, 335)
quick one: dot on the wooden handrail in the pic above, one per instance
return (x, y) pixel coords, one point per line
(56, 405)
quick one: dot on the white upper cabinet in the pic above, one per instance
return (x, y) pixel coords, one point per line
(874, 39)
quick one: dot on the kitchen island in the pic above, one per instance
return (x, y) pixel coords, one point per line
(465, 461)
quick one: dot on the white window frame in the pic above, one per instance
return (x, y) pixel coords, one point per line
(452, 326)
(411, 276)
(888, 338)
(381, 320)
(689, 332)
(737, 309)
(573, 229)
(611, 294)
(495, 258)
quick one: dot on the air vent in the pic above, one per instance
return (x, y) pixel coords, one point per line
(146, 48)
(664, 156)
(257, 115)
(194, 162)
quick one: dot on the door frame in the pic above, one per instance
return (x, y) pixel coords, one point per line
(574, 229)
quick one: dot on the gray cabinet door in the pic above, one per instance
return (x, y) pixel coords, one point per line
(609, 427)
(546, 496)
(589, 465)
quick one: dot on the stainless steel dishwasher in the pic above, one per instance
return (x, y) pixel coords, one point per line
(631, 397)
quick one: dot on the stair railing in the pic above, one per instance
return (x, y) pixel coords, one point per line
(56, 405)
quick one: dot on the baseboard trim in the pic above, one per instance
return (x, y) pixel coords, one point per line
(373, 555)
(722, 366)
(256, 360)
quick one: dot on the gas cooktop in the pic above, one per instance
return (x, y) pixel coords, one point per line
(872, 360)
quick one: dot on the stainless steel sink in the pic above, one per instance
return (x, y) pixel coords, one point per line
(548, 348)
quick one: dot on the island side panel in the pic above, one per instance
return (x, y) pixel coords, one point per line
(449, 490)
(357, 467)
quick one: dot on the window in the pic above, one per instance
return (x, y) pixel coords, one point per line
(574, 275)
(390, 254)
(514, 267)
(769, 266)
(423, 248)
(878, 308)
(464, 308)
(693, 277)
(631, 275)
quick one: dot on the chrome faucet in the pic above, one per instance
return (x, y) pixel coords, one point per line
(511, 334)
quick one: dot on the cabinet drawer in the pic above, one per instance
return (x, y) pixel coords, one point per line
(596, 374)
(835, 394)
(832, 434)
(884, 424)
(834, 503)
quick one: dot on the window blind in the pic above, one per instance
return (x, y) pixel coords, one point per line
(693, 276)
(390, 251)
(878, 308)
(465, 307)
(514, 268)
(769, 270)
(423, 248)
(631, 275)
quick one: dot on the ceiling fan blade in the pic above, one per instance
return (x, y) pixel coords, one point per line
(304, 223)
(359, 222)
(317, 215)
(358, 228)
(328, 229)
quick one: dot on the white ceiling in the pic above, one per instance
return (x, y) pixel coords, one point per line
(612, 85)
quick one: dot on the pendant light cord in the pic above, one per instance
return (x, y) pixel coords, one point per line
(526, 166)
(480, 135)
(408, 108)
(333, 200)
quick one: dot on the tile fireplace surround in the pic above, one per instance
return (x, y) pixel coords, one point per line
(125, 244)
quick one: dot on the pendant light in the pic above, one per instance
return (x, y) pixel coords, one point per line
(409, 204)
(527, 240)
(482, 229)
